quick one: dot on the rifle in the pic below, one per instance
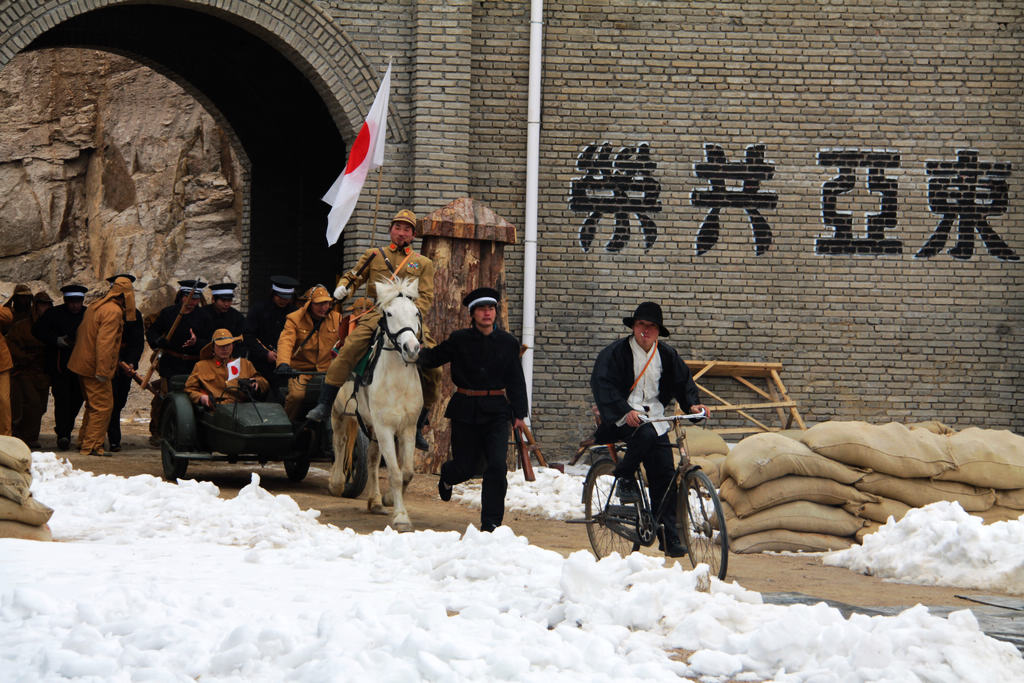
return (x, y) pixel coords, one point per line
(136, 378)
(154, 360)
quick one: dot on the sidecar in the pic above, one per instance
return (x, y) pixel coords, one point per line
(229, 432)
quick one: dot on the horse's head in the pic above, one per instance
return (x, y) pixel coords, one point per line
(400, 318)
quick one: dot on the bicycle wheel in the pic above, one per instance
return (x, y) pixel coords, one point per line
(703, 530)
(608, 522)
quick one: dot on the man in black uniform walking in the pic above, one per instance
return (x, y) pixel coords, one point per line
(133, 342)
(490, 392)
(263, 326)
(56, 329)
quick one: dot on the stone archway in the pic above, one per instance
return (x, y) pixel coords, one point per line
(280, 76)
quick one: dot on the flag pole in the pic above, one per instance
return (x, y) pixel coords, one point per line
(376, 205)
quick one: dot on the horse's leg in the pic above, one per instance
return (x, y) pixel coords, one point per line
(344, 426)
(373, 501)
(400, 518)
(407, 452)
(336, 484)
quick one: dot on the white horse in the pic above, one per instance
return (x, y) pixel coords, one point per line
(389, 404)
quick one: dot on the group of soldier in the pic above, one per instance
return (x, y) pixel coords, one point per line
(90, 355)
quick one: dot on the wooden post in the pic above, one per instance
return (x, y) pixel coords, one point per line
(466, 241)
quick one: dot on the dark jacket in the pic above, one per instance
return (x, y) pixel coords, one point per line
(613, 376)
(481, 361)
(263, 326)
(55, 323)
(133, 340)
(171, 362)
(209, 320)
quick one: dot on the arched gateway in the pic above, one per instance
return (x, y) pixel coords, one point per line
(267, 71)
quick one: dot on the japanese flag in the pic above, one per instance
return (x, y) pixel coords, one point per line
(234, 369)
(367, 154)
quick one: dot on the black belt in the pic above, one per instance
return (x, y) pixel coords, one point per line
(480, 392)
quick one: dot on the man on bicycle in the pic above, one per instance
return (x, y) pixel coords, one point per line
(633, 380)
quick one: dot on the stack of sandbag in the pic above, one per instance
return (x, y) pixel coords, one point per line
(706, 449)
(778, 494)
(842, 480)
(21, 515)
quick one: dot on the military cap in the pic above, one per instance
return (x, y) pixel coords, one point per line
(481, 296)
(225, 290)
(405, 216)
(194, 286)
(282, 285)
(129, 276)
(74, 291)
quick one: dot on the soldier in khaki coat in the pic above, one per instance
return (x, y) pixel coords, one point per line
(307, 344)
(94, 360)
(397, 260)
(218, 374)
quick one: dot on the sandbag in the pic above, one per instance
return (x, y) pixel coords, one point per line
(799, 515)
(15, 454)
(889, 448)
(788, 489)
(920, 492)
(1010, 498)
(711, 465)
(29, 512)
(999, 514)
(766, 456)
(783, 540)
(933, 426)
(14, 485)
(879, 512)
(700, 441)
(29, 532)
(987, 457)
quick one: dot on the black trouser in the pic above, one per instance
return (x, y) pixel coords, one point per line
(644, 446)
(473, 445)
(121, 384)
(67, 401)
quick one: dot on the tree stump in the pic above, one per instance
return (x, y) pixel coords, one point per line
(466, 241)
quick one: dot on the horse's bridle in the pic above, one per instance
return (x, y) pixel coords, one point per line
(393, 336)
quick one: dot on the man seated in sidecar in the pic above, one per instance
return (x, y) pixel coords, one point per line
(219, 377)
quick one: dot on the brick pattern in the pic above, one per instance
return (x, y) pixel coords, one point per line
(872, 333)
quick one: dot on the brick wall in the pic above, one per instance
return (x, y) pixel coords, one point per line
(866, 329)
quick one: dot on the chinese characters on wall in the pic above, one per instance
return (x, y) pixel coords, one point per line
(963, 192)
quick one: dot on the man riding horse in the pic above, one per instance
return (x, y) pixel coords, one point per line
(376, 264)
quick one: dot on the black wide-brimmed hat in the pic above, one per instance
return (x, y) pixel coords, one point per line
(648, 311)
(479, 296)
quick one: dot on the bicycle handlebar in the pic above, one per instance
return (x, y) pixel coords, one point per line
(702, 415)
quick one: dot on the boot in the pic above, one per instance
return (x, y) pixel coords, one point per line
(421, 441)
(322, 410)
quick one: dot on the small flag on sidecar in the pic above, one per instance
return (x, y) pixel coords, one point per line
(234, 368)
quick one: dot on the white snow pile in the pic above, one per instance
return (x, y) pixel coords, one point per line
(163, 582)
(940, 544)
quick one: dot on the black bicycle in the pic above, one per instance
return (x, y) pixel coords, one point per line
(622, 526)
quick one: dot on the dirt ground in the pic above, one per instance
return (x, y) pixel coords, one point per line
(765, 573)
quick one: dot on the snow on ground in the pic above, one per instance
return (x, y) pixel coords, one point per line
(155, 581)
(942, 545)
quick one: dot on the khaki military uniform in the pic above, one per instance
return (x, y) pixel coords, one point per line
(305, 348)
(94, 360)
(210, 377)
(6, 316)
(376, 265)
